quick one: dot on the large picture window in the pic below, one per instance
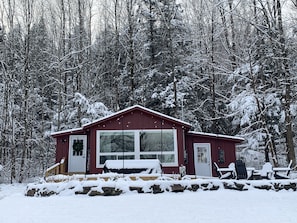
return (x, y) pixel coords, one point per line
(137, 144)
(116, 145)
(156, 141)
(116, 142)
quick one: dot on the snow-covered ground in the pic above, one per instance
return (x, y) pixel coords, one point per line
(192, 207)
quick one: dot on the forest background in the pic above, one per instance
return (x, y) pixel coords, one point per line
(226, 66)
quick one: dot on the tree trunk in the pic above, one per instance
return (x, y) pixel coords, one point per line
(131, 59)
(25, 148)
(212, 80)
(80, 60)
(287, 97)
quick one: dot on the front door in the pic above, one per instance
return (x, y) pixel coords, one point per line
(77, 154)
(202, 159)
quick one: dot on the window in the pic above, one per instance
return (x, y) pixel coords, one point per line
(77, 147)
(156, 141)
(116, 145)
(221, 156)
(137, 144)
(116, 142)
(202, 155)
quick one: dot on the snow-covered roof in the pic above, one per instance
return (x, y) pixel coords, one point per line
(66, 131)
(118, 113)
(152, 112)
(216, 135)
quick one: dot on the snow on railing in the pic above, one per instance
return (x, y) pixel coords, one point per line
(58, 168)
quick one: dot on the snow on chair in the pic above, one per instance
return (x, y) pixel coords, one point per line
(225, 173)
(282, 172)
(265, 173)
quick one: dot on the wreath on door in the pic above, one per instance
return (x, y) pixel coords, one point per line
(78, 146)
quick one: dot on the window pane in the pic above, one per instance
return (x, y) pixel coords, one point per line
(202, 155)
(148, 156)
(156, 141)
(104, 158)
(166, 158)
(116, 142)
(221, 156)
(126, 157)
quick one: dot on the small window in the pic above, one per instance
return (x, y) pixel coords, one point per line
(221, 156)
(202, 155)
(77, 147)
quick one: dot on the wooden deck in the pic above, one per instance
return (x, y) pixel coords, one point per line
(105, 177)
(57, 173)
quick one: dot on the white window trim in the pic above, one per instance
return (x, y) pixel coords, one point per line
(137, 152)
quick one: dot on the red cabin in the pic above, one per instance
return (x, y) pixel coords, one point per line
(138, 133)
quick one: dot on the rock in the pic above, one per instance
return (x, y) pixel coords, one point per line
(264, 187)
(177, 188)
(111, 191)
(156, 189)
(85, 190)
(194, 187)
(31, 192)
(138, 189)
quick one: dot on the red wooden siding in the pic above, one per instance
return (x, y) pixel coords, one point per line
(228, 145)
(136, 120)
(139, 118)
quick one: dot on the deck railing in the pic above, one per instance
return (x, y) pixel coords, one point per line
(58, 168)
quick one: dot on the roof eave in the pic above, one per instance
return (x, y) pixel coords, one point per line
(66, 132)
(212, 135)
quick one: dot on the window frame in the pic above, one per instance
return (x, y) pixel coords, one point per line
(137, 153)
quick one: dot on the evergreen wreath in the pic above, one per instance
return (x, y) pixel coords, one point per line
(78, 146)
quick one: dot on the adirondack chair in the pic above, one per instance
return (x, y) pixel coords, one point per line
(241, 171)
(225, 172)
(282, 172)
(265, 173)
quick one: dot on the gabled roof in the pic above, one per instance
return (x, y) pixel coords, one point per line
(141, 108)
(212, 135)
(127, 110)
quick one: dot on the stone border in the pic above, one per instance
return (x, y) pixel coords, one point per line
(116, 187)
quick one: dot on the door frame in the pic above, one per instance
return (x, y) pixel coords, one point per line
(73, 160)
(195, 148)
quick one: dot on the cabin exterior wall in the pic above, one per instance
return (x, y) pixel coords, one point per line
(216, 144)
(138, 119)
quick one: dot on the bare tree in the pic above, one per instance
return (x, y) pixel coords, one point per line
(28, 6)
